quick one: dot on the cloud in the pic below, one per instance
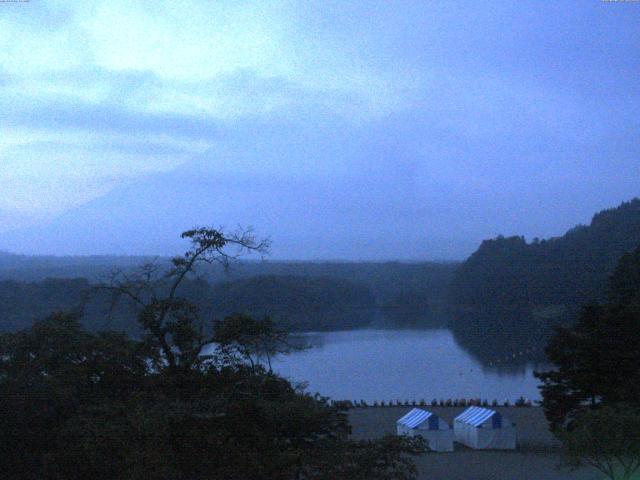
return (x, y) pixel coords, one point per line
(188, 53)
(503, 102)
(60, 116)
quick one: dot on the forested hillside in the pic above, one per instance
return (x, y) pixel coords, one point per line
(32, 268)
(22, 303)
(305, 295)
(387, 280)
(299, 303)
(511, 291)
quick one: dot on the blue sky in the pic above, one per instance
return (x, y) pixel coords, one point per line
(511, 117)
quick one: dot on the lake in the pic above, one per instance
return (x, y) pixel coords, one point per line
(375, 365)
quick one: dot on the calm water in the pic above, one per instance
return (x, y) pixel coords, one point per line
(401, 364)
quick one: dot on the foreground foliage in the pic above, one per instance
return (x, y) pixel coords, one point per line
(607, 439)
(592, 396)
(171, 405)
(598, 360)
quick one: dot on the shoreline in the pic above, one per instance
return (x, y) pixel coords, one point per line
(520, 402)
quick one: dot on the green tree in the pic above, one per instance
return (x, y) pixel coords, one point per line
(240, 336)
(607, 439)
(48, 374)
(387, 458)
(597, 361)
(172, 324)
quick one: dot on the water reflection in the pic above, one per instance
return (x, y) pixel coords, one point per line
(385, 364)
(503, 337)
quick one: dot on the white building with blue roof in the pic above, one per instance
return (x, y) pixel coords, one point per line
(428, 425)
(483, 428)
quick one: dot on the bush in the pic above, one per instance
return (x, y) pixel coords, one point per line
(521, 402)
(434, 402)
(604, 438)
(494, 403)
(422, 402)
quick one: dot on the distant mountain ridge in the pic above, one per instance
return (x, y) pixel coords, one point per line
(316, 199)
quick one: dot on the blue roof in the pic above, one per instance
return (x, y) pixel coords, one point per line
(414, 418)
(475, 416)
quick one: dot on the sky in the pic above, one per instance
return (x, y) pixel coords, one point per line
(415, 129)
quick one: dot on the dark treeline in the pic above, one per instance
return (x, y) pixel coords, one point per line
(416, 307)
(385, 279)
(23, 303)
(298, 303)
(35, 268)
(298, 295)
(509, 293)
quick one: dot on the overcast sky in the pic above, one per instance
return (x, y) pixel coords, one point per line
(488, 117)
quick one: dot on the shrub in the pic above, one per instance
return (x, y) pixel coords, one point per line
(434, 402)
(422, 402)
